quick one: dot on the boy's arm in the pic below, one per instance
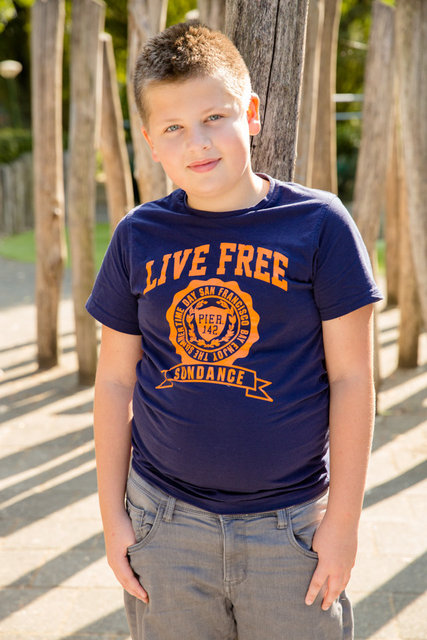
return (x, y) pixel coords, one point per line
(115, 380)
(348, 351)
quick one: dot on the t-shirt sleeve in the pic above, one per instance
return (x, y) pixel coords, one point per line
(112, 301)
(342, 280)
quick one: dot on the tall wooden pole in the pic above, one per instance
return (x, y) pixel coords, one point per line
(87, 23)
(271, 36)
(212, 13)
(145, 18)
(409, 304)
(309, 96)
(377, 121)
(392, 209)
(325, 145)
(411, 36)
(46, 70)
(115, 157)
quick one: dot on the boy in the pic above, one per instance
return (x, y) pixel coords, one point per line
(236, 364)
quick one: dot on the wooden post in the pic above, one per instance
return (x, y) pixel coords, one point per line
(47, 34)
(145, 18)
(115, 157)
(392, 208)
(409, 304)
(270, 36)
(87, 22)
(325, 145)
(411, 32)
(212, 13)
(309, 94)
(369, 190)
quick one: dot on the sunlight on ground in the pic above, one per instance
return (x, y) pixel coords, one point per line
(55, 578)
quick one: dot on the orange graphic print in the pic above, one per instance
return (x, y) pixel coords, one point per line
(212, 323)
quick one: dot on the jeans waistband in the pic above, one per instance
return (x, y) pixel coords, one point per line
(170, 503)
(155, 493)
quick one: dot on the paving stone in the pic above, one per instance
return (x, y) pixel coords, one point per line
(98, 611)
(400, 538)
(78, 569)
(56, 581)
(52, 532)
(373, 571)
(374, 617)
(394, 508)
(19, 566)
(44, 610)
(411, 617)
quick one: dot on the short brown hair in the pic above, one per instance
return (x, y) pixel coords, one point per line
(186, 50)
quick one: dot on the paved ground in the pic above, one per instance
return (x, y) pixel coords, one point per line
(56, 583)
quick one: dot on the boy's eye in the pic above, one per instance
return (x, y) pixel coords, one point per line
(214, 116)
(173, 127)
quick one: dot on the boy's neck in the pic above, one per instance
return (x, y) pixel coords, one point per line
(255, 189)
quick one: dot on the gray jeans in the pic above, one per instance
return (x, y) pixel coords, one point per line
(214, 577)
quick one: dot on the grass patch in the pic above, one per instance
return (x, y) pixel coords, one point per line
(381, 255)
(21, 247)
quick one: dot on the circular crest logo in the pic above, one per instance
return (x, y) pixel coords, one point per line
(212, 321)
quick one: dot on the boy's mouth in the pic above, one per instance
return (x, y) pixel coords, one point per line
(202, 166)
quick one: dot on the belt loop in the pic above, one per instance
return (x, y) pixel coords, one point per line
(169, 509)
(281, 519)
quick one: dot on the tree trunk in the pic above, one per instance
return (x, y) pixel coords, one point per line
(115, 157)
(410, 318)
(411, 35)
(369, 190)
(212, 13)
(46, 72)
(270, 36)
(86, 77)
(145, 18)
(392, 207)
(325, 145)
(309, 94)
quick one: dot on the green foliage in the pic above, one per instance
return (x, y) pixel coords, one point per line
(8, 10)
(177, 10)
(15, 45)
(7, 13)
(348, 140)
(13, 142)
(355, 24)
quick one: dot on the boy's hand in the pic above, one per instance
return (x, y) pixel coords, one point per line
(336, 547)
(117, 541)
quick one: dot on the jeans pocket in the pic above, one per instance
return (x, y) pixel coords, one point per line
(145, 515)
(303, 521)
(141, 522)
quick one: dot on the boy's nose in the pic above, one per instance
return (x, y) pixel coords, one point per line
(198, 139)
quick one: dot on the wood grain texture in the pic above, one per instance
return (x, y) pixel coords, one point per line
(115, 157)
(271, 36)
(411, 38)
(145, 18)
(369, 190)
(86, 78)
(46, 70)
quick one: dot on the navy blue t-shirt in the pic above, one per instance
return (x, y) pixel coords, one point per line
(231, 401)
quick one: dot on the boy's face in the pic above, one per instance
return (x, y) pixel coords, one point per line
(200, 134)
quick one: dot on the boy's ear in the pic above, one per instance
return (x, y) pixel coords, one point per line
(253, 115)
(150, 144)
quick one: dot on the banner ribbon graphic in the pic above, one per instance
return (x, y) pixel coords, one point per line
(218, 374)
